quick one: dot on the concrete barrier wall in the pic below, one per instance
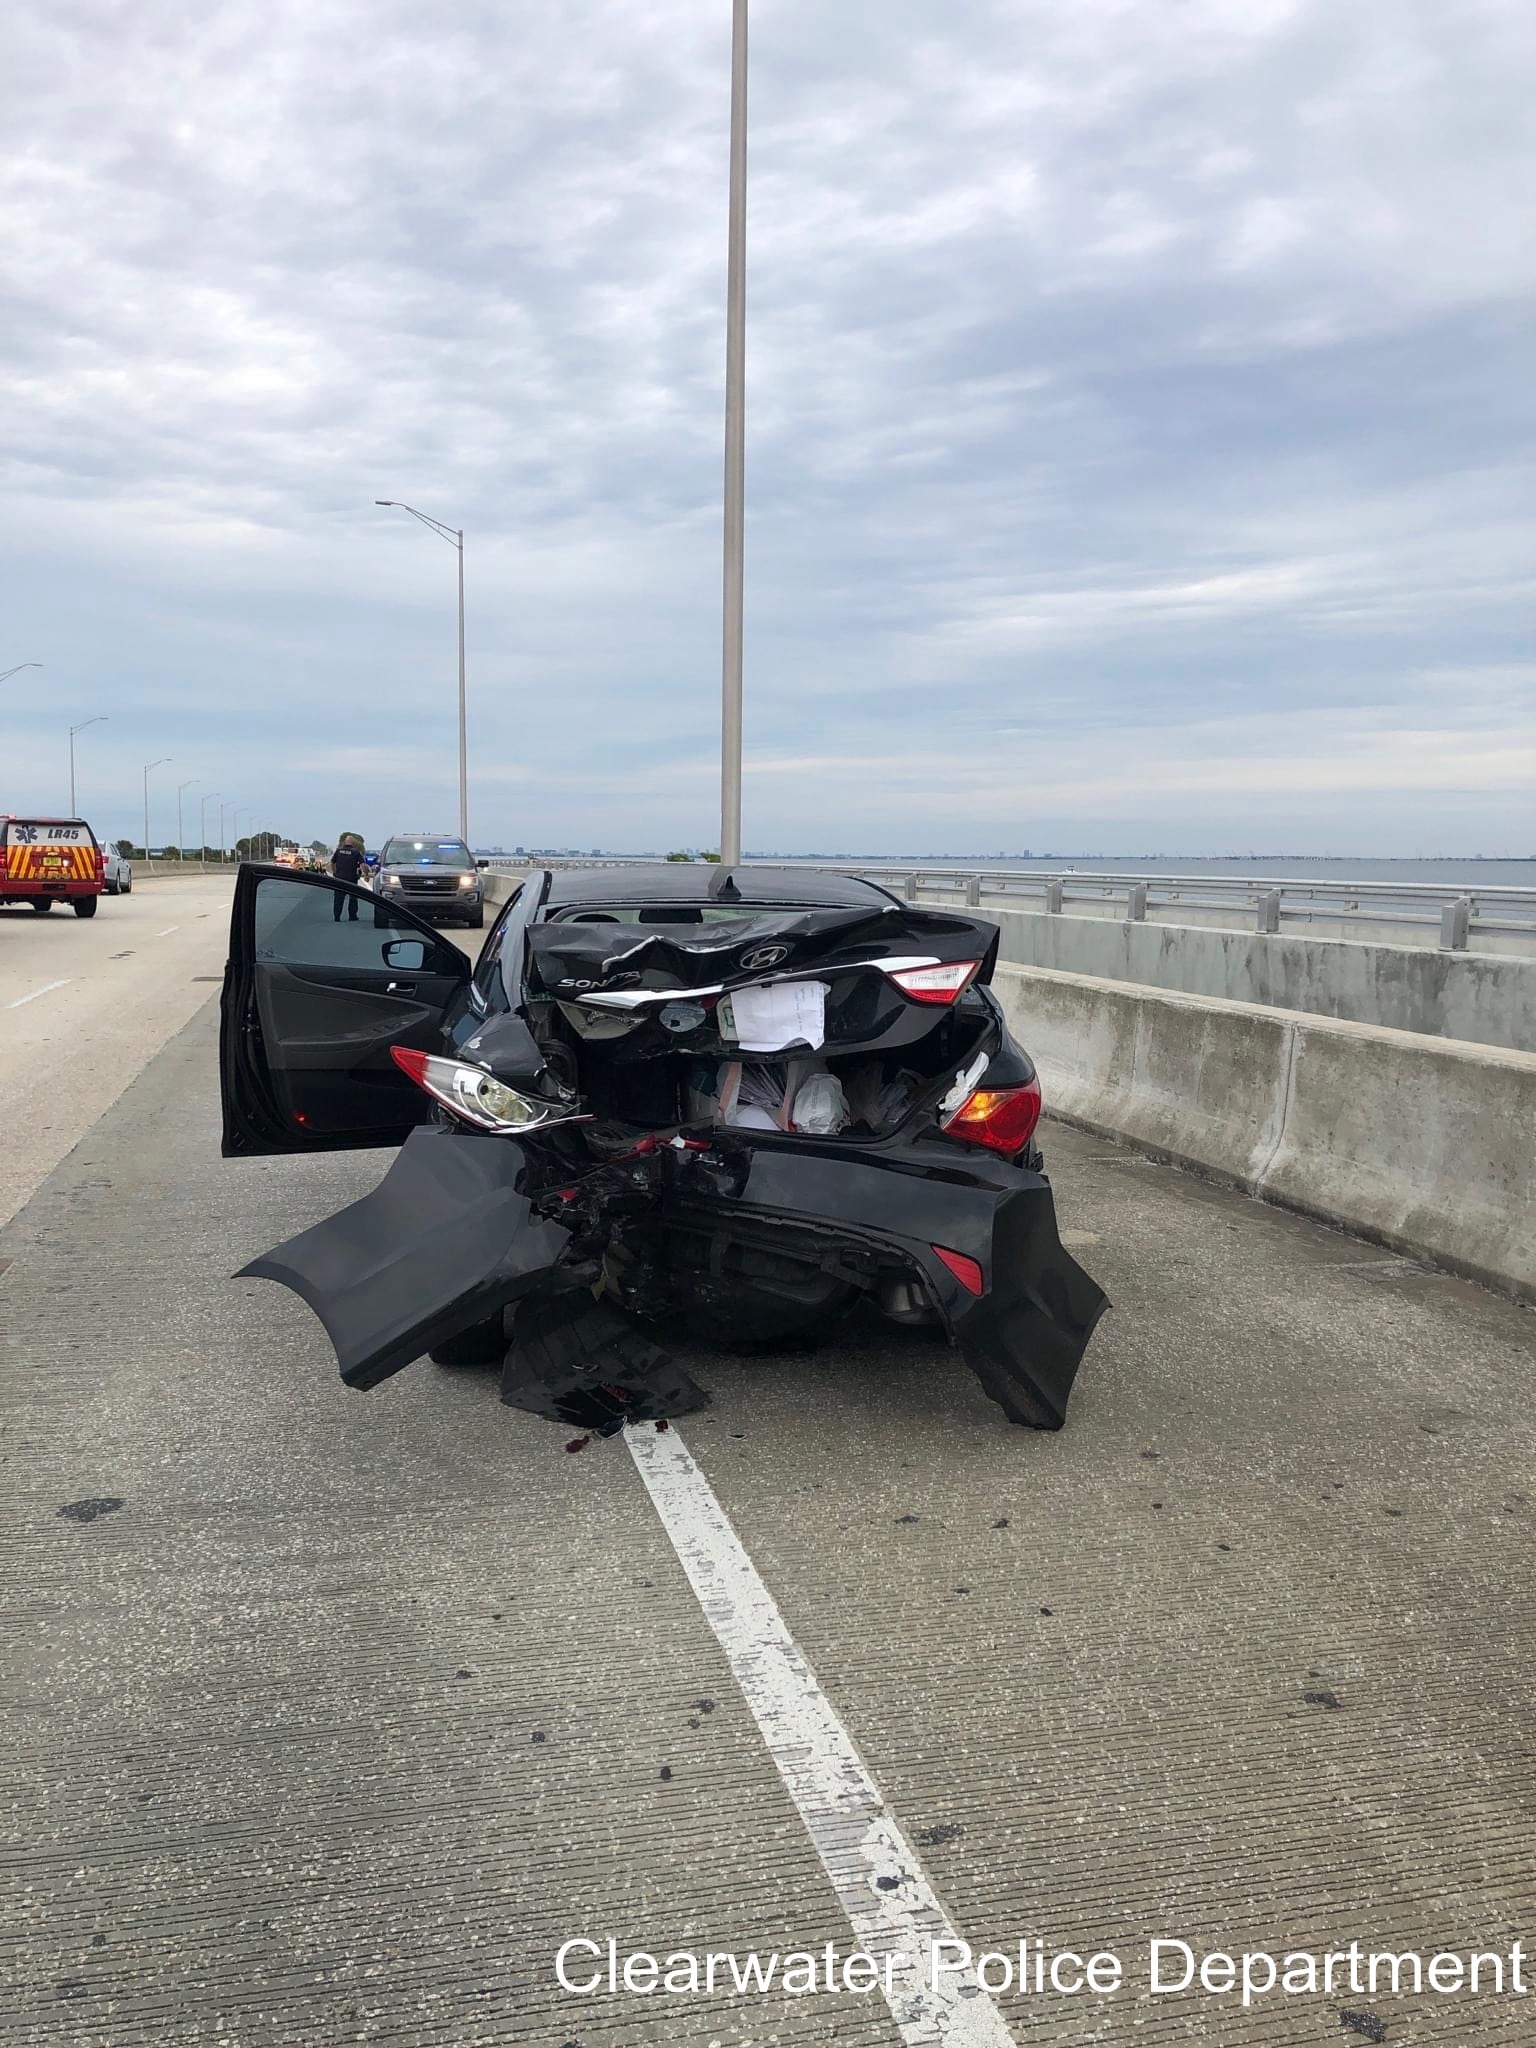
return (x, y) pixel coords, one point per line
(1481, 997)
(1422, 1144)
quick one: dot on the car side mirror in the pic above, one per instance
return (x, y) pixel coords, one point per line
(482, 863)
(409, 954)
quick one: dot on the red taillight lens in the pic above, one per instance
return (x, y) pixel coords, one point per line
(940, 984)
(1003, 1119)
(965, 1270)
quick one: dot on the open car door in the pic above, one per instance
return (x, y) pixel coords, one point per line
(323, 979)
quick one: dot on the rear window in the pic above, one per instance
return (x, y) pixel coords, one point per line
(405, 853)
(46, 832)
(662, 913)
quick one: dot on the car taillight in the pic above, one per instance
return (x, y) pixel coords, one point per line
(937, 984)
(1003, 1119)
(965, 1270)
(476, 1097)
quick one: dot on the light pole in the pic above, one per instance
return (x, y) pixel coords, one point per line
(735, 451)
(454, 535)
(16, 671)
(223, 842)
(180, 849)
(147, 766)
(202, 828)
(99, 719)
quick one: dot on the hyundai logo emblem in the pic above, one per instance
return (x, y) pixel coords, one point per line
(764, 956)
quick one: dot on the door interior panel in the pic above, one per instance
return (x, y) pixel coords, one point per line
(313, 1005)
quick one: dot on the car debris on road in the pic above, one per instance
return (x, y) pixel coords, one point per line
(746, 1099)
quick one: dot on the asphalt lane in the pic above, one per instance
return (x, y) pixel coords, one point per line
(357, 1706)
(86, 1003)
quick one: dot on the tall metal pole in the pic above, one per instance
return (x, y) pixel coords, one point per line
(202, 829)
(454, 535)
(735, 451)
(180, 849)
(463, 739)
(147, 766)
(99, 719)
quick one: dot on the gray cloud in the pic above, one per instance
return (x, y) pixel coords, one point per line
(1140, 416)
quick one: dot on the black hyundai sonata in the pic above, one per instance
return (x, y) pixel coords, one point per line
(742, 1099)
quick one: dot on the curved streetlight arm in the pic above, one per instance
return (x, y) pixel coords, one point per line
(454, 535)
(16, 671)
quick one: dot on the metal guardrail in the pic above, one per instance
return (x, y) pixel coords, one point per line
(1262, 903)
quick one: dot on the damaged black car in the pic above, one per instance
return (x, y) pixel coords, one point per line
(740, 1100)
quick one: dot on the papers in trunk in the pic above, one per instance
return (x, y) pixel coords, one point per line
(775, 1015)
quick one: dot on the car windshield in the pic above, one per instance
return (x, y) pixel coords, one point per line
(407, 853)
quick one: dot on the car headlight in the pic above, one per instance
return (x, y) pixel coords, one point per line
(468, 881)
(391, 881)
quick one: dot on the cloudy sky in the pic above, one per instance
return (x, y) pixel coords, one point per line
(1140, 445)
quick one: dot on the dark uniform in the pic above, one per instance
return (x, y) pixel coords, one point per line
(346, 866)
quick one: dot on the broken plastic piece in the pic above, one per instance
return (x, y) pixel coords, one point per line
(577, 1360)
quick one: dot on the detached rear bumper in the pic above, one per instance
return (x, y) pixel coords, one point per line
(449, 1237)
(1025, 1333)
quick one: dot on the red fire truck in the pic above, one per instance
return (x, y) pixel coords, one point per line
(45, 859)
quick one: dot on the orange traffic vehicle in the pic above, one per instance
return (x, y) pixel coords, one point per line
(47, 860)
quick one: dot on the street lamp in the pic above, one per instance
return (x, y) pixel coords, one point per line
(223, 842)
(454, 535)
(735, 451)
(147, 766)
(191, 779)
(16, 671)
(99, 719)
(202, 828)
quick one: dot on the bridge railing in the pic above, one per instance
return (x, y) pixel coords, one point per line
(1459, 915)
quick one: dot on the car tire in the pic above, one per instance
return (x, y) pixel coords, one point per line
(477, 922)
(110, 888)
(128, 886)
(42, 905)
(85, 906)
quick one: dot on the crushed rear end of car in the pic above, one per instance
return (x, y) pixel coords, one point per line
(741, 1126)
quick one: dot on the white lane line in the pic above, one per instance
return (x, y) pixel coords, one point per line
(44, 990)
(168, 930)
(860, 1845)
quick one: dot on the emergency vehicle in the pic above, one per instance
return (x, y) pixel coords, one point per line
(44, 860)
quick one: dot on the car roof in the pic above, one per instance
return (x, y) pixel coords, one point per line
(706, 882)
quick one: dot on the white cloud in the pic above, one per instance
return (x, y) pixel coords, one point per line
(1099, 358)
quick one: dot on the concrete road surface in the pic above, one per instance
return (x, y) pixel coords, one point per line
(85, 1003)
(331, 1716)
